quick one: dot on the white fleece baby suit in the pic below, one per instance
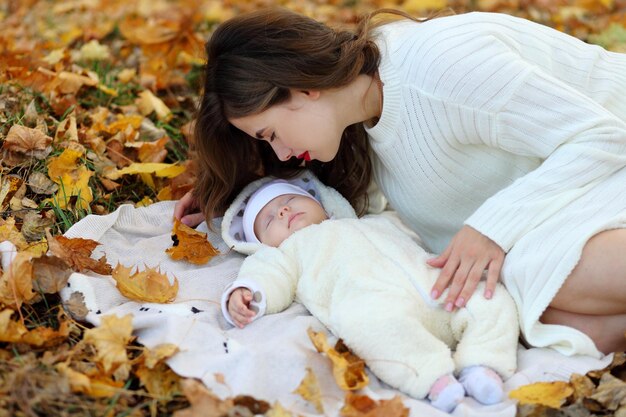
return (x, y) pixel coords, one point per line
(368, 282)
(514, 129)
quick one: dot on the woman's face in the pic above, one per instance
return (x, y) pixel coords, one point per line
(305, 127)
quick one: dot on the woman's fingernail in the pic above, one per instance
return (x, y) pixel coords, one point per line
(449, 307)
(459, 302)
(488, 294)
(434, 294)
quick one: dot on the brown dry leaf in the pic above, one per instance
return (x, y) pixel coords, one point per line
(50, 274)
(75, 305)
(31, 142)
(69, 83)
(190, 244)
(149, 285)
(611, 392)
(363, 406)
(160, 381)
(256, 407)
(203, 402)
(77, 253)
(348, 369)
(39, 183)
(583, 386)
(550, 394)
(148, 103)
(309, 389)
(110, 340)
(16, 283)
(34, 226)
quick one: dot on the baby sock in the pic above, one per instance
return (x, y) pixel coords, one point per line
(483, 384)
(446, 393)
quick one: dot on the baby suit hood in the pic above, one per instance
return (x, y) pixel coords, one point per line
(335, 205)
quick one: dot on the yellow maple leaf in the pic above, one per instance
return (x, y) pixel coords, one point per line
(96, 386)
(149, 285)
(10, 331)
(156, 168)
(148, 103)
(16, 283)
(160, 381)
(190, 244)
(550, 394)
(348, 369)
(110, 340)
(64, 163)
(75, 183)
(309, 389)
(9, 232)
(151, 357)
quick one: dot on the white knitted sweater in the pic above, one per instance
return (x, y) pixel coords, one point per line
(504, 125)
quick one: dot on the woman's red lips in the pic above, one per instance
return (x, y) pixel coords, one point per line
(305, 156)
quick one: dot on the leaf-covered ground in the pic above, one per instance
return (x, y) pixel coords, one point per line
(96, 103)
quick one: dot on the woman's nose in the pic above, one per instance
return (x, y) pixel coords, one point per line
(282, 152)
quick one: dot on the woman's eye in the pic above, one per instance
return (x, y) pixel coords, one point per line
(272, 137)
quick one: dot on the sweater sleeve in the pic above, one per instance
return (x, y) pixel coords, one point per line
(580, 142)
(275, 273)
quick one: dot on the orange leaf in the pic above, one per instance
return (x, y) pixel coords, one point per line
(191, 245)
(203, 402)
(348, 369)
(149, 285)
(363, 406)
(77, 253)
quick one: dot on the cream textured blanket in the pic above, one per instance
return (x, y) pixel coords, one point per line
(268, 358)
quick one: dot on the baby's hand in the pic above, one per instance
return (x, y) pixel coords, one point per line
(239, 307)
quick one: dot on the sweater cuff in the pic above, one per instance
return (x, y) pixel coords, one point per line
(503, 226)
(258, 303)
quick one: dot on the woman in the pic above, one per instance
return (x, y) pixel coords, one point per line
(501, 142)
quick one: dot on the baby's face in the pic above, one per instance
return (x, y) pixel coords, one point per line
(284, 215)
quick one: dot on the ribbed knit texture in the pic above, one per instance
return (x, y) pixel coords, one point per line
(502, 124)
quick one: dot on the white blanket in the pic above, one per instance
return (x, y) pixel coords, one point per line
(269, 357)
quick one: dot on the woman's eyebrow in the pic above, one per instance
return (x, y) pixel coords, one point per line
(259, 133)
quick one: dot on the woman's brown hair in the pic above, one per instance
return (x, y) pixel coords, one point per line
(253, 60)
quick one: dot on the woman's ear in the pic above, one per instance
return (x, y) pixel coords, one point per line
(306, 94)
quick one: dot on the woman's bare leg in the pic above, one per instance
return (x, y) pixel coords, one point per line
(606, 331)
(593, 298)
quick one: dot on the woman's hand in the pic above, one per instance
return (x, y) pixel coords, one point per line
(239, 307)
(463, 262)
(187, 211)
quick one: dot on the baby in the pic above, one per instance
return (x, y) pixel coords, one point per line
(368, 282)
